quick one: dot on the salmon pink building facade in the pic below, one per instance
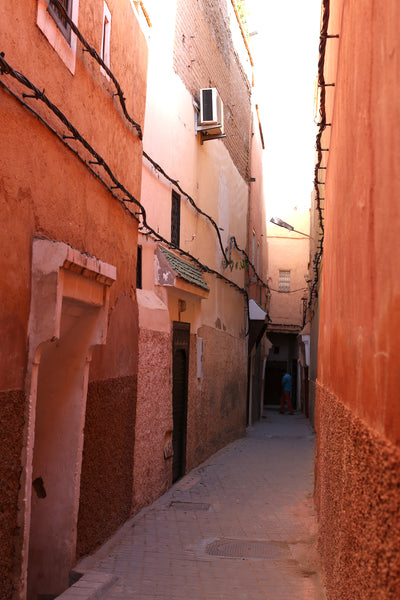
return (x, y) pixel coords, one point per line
(193, 294)
(288, 263)
(357, 410)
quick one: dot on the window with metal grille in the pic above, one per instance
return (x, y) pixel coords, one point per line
(284, 281)
(175, 218)
(59, 17)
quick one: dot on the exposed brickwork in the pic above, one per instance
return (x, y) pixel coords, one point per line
(204, 56)
(107, 467)
(11, 431)
(358, 501)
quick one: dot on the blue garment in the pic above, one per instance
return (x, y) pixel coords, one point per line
(287, 383)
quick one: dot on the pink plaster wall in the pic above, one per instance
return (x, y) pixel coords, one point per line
(153, 472)
(358, 414)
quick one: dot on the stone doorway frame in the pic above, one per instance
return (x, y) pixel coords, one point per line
(59, 273)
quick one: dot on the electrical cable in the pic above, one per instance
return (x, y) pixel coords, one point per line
(5, 68)
(289, 291)
(38, 94)
(121, 97)
(313, 290)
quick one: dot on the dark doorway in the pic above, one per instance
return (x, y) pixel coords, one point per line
(180, 371)
(273, 382)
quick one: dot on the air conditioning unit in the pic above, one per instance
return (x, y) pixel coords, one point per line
(211, 111)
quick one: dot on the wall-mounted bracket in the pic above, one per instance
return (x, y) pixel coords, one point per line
(206, 131)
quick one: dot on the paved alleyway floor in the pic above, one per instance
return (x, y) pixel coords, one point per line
(240, 527)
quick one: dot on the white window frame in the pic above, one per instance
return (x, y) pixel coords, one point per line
(106, 39)
(46, 23)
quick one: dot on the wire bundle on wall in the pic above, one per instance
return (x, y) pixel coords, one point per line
(322, 125)
(5, 68)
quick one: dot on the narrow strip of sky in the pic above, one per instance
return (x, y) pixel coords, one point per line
(285, 50)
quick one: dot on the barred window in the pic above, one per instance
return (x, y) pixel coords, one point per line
(59, 17)
(284, 281)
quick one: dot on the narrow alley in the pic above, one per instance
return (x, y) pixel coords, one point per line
(200, 217)
(240, 526)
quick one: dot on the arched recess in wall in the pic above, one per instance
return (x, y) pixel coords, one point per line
(68, 318)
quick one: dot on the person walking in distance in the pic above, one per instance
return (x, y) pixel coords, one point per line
(286, 389)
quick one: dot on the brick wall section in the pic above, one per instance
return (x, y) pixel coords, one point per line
(12, 405)
(358, 503)
(204, 56)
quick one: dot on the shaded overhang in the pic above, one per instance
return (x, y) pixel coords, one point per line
(284, 328)
(258, 323)
(174, 271)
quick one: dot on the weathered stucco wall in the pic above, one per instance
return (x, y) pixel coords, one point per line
(217, 407)
(360, 315)
(46, 191)
(107, 468)
(12, 406)
(358, 503)
(153, 474)
(289, 251)
(358, 416)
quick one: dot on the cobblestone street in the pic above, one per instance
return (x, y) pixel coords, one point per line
(240, 526)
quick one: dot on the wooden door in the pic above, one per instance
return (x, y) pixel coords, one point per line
(180, 372)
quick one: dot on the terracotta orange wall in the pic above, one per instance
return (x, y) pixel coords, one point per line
(359, 339)
(38, 195)
(357, 410)
(45, 190)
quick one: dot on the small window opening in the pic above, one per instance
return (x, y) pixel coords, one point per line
(59, 17)
(139, 268)
(284, 281)
(175, 218)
